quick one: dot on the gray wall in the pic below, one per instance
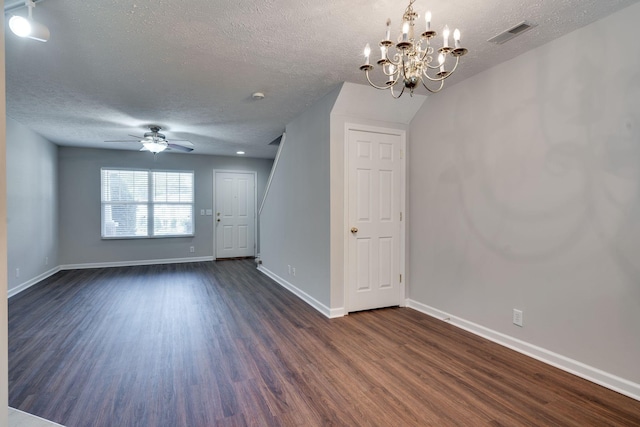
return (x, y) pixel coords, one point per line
(79, 201)
(524, 193)
(295, 217)
(32, 204)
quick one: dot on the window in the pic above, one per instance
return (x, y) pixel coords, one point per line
(143, 203)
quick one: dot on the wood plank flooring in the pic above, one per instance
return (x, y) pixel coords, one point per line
(219, 344)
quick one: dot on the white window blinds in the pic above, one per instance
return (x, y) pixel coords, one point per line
(172, 203)
(143, 203)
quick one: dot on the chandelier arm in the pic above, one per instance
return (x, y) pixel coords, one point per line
(425, 54)
(433, 67)
(449, 73)
(393, 94)
(371, 83)
(455, 66)
(433, 90)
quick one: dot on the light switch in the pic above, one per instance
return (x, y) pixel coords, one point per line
(201, 211)
(209, 212)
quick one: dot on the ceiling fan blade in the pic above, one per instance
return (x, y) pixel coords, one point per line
(123, 140)
(136, 136)
(182, 142)
(180, 148)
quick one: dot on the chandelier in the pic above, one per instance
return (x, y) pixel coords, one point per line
(412, 61)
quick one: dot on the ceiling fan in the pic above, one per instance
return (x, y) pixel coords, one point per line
(157, 142)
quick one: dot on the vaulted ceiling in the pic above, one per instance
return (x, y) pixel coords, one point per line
(113, 67)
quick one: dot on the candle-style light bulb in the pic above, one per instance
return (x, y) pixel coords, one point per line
(405, 31)
(392, 71)
(427, 18)
(441, 62)
(456, 38)
(383, 52)
(367, 52)
(445, 36)
(388, 35)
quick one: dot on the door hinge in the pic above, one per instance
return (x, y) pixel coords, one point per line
(402, 154)
(400, 216)
(401, 278)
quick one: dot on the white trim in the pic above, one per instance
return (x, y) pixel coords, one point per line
(328, 312)
(134, 263)
(403, 225)
(21, 418)
(595, 375)
(29, 283)
(273, 171)
(255, 212)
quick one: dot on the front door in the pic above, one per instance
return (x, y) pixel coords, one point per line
(235, 217)
(374, 229)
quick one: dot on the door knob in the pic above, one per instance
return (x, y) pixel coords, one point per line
(354, 230)
(218, 219)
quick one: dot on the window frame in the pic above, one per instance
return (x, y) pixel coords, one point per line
(149, 203)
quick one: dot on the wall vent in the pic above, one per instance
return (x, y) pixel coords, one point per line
(512, 32)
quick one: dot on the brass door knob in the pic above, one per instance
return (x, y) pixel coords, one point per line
(218, 219)
(354, 230)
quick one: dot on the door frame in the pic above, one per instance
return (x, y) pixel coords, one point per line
(255, 209)
(403, 206)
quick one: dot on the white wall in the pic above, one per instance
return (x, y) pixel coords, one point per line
(79, 204)
(294, 223)
(524, 193)
(4, 332)
(32, 204)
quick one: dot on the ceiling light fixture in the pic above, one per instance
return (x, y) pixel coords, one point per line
(412, 62)
(240, 152)
(154, 145)
(27, 27)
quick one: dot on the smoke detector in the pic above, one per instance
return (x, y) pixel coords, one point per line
(257, 96)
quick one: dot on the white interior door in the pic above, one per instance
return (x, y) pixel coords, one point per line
(375, 183)
(235, 218)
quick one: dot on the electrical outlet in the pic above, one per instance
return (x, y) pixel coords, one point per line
(17, 272)
(192, 249)
(202, 212)
(517, 317)
(293, 270)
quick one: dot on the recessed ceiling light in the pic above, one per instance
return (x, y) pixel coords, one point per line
(257, 96)
(239, 152)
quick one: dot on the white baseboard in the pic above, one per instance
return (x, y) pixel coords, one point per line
(33, 281)
(328, 312)
(134, 263)
(605, 379)
(29, 283)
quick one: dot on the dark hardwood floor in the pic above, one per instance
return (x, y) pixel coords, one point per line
(219, 344)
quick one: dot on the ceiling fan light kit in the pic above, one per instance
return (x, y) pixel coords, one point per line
(412, 63)
(154, 146)
(27, 27)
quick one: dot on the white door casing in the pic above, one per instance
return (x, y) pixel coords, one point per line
(234, 214)
(375, 230)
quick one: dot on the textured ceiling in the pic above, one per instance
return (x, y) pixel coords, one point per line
(113, 67)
